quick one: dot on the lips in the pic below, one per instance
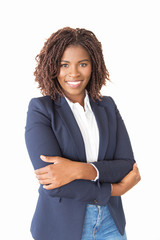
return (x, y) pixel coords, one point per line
(74, 84)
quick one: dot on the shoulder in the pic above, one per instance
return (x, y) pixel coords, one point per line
(40, 110)
(45, 100)
(107, 101)
(41, 104)
(109, 104)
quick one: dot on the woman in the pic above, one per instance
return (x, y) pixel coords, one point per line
(78, 143)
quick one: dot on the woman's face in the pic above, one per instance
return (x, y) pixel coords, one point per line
(75, 72)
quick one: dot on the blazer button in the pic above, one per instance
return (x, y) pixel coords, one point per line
(95, 201)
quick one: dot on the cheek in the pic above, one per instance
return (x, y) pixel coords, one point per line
(88, 72)
(61, 74)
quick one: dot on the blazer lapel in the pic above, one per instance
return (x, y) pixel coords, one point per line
(102, 122)
(70, 123)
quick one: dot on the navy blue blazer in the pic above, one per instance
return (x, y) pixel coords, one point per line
(52, 130)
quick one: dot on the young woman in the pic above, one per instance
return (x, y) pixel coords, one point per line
(78, 143)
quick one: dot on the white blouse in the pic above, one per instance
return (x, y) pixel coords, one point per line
(88, 126)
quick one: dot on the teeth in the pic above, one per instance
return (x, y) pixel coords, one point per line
(74, 83)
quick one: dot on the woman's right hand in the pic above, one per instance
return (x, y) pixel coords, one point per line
(128, 182)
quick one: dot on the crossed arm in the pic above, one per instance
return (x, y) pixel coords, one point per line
(68, 178)
(64, 171)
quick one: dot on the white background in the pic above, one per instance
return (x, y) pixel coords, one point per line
(130, 35)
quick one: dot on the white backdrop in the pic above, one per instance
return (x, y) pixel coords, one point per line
(129, 32)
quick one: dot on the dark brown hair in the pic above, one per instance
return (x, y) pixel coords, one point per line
(49, 59)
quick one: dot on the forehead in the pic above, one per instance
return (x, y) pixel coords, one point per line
(75, 53)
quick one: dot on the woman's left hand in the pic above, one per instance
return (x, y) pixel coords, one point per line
(128, 182)
(57, 174)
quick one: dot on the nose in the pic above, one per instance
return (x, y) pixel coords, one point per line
(74, 72)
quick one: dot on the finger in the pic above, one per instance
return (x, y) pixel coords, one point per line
(136, 171)
(45, 181)
(42, 176)
(135, 164)
(135, 167)
(41, 170)
(47, 158)
(50, 186)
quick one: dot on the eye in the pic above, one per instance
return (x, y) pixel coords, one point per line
(65, 65)
(83, 64)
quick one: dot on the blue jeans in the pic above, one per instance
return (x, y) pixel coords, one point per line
(99, 225)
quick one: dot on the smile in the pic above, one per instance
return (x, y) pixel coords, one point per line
(74, 84)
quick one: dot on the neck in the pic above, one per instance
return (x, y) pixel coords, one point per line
(77, 98)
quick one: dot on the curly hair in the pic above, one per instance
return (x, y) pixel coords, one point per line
(49, 60)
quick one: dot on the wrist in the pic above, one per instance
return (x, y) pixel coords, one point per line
(118, 189)
(122, 188)
(85, 171)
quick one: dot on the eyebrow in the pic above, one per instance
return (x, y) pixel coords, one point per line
(84, 60)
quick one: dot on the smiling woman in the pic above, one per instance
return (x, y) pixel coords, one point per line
(78, 143)
(51, 59)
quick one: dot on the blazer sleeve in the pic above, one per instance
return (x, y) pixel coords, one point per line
(40, 139)
(114, 170)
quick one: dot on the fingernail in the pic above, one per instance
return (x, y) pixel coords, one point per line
(43, 157)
